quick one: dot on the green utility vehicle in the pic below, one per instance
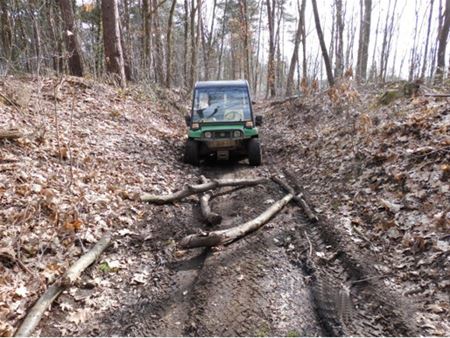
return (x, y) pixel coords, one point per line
(222, 124)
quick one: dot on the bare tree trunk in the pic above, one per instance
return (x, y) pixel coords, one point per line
(351, 42)
(111, 40)
(169, 44)
(305, 64)
(194, 43)
(202, 37)
(373, 68)
(435, 48)
(222, 38)
(326, 59)
(34, 10)
(146, 37)
(387, 38)
(271, 62)
(425, 53)
(243, 10)
(5, 29)
(211, 42)
(185, 42)
(363, 48)
(158, 48)
(412, 60)
(440, 67)
(339, 40)
(294, 58)
(256, 72)
(126, 55)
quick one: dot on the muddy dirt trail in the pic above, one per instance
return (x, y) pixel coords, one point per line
(248, 288)
(291, 278)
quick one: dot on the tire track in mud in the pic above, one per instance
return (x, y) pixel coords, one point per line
(249, 287)
(348, 299)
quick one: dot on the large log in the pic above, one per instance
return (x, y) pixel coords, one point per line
(223, 237)
(211, 217)
(10, 134)
(34, 316)
(189, 190)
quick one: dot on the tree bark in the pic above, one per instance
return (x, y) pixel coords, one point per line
(222, 38)
(146, 31)
(364, 38)
(339, 66)
(294, 58)
(224, 237)
(158, 47)
(194, 44)
(271, 62)
(111, 40)
(443, 34)
(169, 44)
(185, 43)
(72, 40)
(211, 218)
(325, 56)
(6, 32)
(425, 53)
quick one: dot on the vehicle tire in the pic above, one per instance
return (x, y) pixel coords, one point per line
(191, 153)
(254, 152)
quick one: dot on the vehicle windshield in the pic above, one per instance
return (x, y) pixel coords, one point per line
(217, 104)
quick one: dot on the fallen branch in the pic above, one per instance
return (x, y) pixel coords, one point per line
(226, 192)
(34, 316)
(436, 95)
(10, 134)
(227, 236)
(281, 101)
(298, 198)
(211, 217)
(189, 190)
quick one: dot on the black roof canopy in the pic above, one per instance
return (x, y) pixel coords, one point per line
(229, 83)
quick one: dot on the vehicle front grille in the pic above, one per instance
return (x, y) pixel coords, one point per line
(222, 134)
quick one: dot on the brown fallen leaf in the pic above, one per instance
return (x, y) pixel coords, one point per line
(73, 226)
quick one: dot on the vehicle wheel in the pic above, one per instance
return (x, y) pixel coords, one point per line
(254, 152)
(191, 155)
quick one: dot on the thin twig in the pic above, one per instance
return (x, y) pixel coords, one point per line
(310, 245)
(369, 278)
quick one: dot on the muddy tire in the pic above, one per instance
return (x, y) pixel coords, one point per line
(191, 153)
(254, 152)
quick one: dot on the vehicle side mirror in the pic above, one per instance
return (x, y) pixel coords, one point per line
(187, 118)
(258, 120)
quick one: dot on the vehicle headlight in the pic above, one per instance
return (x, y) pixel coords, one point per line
(208, 134)
(249, 124)
(195, 126)
(236, 133)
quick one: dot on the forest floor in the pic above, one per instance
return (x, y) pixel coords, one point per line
(376, 263)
